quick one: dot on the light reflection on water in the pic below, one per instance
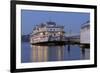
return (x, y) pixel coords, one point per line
(34, 53)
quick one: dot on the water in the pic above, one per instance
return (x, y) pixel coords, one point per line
(34, 53)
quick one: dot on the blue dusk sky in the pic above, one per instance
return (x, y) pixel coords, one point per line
(70, 20)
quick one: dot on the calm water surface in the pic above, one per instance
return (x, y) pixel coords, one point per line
(33, 53)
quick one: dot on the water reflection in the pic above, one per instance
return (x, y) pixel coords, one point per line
(39, 53)
(85, 53)
(45, 53)
(56, 53)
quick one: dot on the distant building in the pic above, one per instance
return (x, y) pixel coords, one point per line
(48, 31)
(85, 33)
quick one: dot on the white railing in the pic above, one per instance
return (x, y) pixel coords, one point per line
(47, 39)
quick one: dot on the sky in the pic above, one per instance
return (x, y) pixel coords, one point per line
(70, 20)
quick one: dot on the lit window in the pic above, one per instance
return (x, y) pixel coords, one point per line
(59, 32)
(41, 33)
